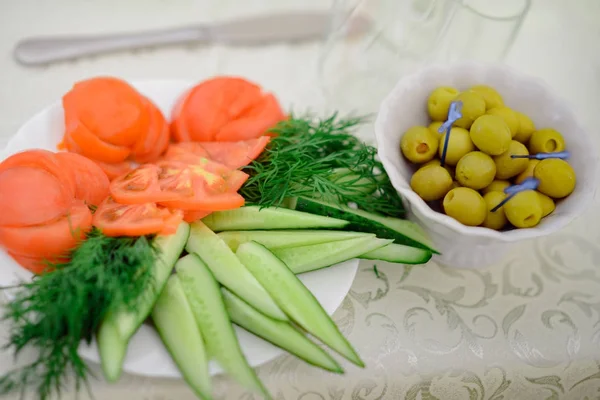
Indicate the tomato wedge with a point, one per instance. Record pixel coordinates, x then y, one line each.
31 196
233 154
52 239
93 147
154 140
206 201
115 219
254 122
44 159
110 108
205 112
91 183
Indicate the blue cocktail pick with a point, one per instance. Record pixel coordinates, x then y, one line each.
530 183
563 155
454 113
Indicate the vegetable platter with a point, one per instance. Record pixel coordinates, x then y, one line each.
183 229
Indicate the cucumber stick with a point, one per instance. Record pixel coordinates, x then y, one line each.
253 217
400 230
175 322
309 258
281 334
277 239
294 298
120 324
398 253
229 271
204 295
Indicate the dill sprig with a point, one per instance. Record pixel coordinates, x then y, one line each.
56 311
320 158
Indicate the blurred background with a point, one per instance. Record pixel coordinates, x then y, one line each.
334 73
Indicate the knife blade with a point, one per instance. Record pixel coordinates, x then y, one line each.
290 27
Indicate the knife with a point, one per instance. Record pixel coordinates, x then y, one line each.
287 27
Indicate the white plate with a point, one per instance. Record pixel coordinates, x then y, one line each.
146 355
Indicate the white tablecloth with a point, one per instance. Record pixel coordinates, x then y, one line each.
528 328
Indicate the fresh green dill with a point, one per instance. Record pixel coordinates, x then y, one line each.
320 158
56 311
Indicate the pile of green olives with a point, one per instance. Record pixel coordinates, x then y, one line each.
479 166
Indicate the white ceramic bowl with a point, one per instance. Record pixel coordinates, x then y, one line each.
476 247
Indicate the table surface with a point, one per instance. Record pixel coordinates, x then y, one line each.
528 328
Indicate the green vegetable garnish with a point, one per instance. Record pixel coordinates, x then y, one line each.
321 159
56 311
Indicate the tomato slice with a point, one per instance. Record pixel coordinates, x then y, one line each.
115 219
53 239
31 196
164 181
36 265
188 152
110 108
155 139
44 159
203 200
233 154
172 223
193 216
113 170
91 183
94 147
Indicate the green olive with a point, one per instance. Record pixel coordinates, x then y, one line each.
506 166
475 170
434 126
524 210
418 144
439 101
497 185
497 219
526 128
473 107
509 116
465 205
491 134
459 144
431 182
437 161
528 172
546 141
491 97
556 176
548 205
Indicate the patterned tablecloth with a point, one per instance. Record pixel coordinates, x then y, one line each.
528 328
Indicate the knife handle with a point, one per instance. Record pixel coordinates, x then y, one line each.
43 50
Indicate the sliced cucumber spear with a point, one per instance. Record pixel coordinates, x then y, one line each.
206 301
399 253
229 271
309 258
253 217
281 239
294 298
402 231
120 324
281 334
175 322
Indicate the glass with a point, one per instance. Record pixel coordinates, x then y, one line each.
356 73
